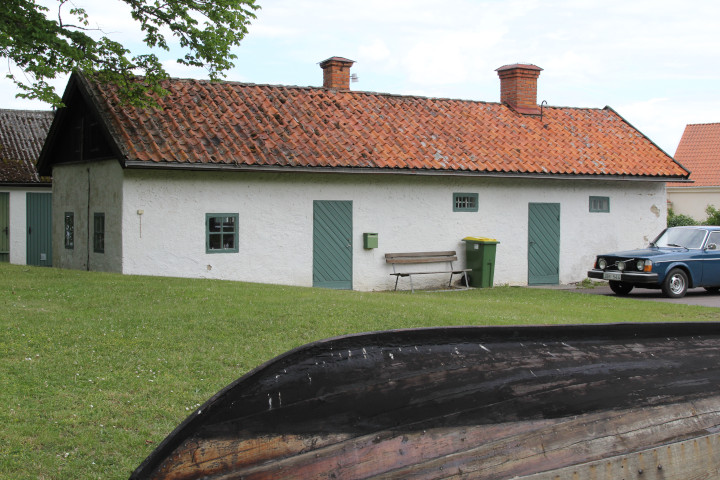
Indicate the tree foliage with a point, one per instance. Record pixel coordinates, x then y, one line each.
679 220
713 215
44 43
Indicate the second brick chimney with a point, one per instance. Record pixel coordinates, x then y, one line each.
336 73
518 87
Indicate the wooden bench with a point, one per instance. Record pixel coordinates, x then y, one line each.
425 257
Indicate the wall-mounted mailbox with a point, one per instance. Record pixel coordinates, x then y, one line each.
370 240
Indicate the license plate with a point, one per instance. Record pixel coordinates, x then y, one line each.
612 276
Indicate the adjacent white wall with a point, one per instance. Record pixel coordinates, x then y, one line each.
693 201
18 220
409 213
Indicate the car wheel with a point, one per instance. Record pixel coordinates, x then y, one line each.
675 284
620 288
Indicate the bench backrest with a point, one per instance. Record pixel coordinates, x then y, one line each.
421 257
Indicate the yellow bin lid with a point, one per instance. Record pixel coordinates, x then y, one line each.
481 239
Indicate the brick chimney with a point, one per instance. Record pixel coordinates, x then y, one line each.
518 87
336 73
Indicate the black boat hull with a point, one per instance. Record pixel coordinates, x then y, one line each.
461 402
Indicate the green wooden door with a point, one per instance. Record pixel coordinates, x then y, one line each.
543 243
39 229
4 227
332 244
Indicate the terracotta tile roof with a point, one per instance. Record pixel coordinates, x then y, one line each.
699 152
22 133
250 125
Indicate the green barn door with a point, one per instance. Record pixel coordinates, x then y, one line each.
4 227
332 244
39 236
544 243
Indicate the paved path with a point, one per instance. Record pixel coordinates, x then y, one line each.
695 296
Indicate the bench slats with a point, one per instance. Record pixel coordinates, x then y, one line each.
454 272
448 253
407 260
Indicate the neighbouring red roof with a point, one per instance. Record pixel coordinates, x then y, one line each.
699 152
236 124
22 133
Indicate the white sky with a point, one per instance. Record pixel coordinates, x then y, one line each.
654 61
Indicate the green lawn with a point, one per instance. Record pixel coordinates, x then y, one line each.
98 368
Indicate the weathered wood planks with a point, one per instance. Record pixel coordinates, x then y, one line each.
464 402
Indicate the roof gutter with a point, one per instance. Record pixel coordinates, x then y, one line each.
144 165
26 184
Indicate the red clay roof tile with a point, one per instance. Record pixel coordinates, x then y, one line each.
244 124
699 152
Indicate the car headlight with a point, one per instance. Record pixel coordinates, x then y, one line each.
602 263
640 265
621 266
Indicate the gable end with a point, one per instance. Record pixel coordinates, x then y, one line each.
78 133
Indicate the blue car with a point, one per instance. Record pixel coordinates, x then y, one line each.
678 259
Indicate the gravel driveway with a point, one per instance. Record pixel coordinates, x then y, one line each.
695 296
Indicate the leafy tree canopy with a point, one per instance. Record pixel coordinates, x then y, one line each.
45 44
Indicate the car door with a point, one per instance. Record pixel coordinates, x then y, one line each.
711 261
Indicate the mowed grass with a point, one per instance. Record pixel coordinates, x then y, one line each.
98 368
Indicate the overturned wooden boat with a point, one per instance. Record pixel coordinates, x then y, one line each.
624 401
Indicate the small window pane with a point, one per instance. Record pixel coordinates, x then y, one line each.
600 204
215 242
465 202
215 224
69 230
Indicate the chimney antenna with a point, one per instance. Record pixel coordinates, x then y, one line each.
542 104
354 78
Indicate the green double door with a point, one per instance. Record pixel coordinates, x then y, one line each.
39 229
38 223
543 243
332 244
4 227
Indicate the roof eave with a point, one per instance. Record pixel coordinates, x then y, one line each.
137 164
608 107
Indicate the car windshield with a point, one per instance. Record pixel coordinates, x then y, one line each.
681 237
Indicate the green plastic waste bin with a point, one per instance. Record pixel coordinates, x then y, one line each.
480 257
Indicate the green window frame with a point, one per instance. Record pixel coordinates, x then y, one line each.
99 232
221 233
600 204
465 202
69 230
